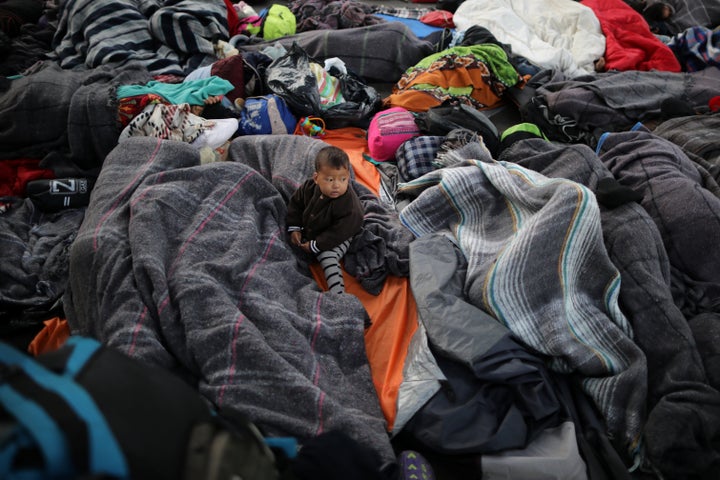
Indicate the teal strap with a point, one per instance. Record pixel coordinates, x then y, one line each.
40 426
106 456
84 348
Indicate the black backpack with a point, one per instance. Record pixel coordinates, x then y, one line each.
89 411
441 119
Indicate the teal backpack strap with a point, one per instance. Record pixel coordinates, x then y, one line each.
104 453
41 427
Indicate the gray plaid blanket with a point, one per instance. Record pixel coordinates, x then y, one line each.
65 112
691 13
186 266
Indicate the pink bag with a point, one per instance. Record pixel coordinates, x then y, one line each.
388 130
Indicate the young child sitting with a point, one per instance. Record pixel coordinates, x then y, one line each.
324 214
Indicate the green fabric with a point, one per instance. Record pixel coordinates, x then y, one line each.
526 127
193 92
279 22
491 55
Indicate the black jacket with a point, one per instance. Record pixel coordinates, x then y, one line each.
325 222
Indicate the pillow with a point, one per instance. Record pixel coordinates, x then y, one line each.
388 129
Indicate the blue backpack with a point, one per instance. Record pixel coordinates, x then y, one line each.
266 115
89 411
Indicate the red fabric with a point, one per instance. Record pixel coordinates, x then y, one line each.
16 173
630 45
714 104
231 69
130 107
232 18
438 18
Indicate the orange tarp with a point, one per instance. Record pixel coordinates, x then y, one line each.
393 312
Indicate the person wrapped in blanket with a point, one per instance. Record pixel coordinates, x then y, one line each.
324 214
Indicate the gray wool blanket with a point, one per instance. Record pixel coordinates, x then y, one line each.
33 260
683 406
186 266
537 263
64 112
382 246
681 201
690 13
698 136
617 100
363 49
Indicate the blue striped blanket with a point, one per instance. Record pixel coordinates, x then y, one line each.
538 264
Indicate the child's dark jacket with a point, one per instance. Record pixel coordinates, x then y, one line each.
327 221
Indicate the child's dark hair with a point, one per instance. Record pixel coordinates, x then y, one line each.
333 157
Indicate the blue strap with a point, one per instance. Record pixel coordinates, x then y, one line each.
106 456
601 140
84 348
40 426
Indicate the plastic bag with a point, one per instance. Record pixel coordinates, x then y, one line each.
291 77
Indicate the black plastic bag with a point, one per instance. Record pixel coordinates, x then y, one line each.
291 77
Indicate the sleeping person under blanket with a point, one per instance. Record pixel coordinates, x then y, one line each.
324 214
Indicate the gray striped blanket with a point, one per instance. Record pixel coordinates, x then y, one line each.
538 264
186 266
172 39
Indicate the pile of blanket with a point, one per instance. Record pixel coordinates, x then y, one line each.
564 307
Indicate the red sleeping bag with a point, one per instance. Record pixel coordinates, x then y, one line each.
630 45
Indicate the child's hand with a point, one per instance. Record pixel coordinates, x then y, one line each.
296 238
305 246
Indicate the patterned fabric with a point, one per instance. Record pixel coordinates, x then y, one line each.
683 403
328 86
476 75
530 241
130 107
697 48
171 122
573 112
415 157
460 144
330 263
697 135
403 12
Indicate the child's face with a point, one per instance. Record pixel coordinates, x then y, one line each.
333 182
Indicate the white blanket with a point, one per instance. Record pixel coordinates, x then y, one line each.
554 34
